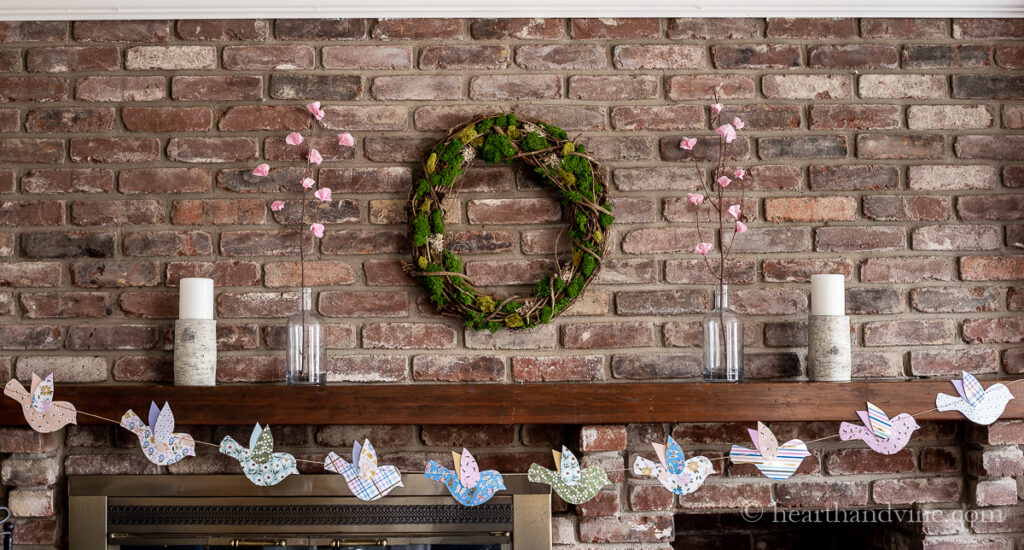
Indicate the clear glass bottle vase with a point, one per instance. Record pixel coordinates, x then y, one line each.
306 344
723 341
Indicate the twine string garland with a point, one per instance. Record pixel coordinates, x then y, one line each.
405 472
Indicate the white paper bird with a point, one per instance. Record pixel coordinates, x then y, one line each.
773 460
675 473
159 442
980 405
883 434
42 413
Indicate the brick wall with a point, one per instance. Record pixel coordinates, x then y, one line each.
886 150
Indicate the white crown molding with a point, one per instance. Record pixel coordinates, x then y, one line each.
14 10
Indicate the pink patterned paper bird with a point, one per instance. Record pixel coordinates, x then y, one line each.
42 413
883 434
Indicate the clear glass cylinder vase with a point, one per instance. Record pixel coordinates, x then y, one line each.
306 345
723 341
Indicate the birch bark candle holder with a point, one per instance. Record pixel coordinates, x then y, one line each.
828 331
195 334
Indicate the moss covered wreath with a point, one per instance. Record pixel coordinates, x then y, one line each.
507 138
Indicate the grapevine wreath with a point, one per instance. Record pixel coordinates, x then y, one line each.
506 138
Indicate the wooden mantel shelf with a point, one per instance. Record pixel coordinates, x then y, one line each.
510 403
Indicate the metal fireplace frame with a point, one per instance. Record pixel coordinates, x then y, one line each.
108 511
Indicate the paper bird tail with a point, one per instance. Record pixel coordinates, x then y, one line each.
850 432
436 472
743 455
16 391
944 402
540 474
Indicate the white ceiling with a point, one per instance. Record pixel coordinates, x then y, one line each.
227 9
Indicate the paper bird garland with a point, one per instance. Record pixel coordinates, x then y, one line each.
261 465
365 479
773 460
575 486
42 413
675 473
471 487
467 483
159 442
883 434
979 405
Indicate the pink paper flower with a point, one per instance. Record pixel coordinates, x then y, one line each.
702 249
739 173
724 181
717 108
324 194
738 123
727 132
277 206
734 211
741 227
261 170
695 198
308 183
317 229
688 143
346 140
314 157
314 108
293 138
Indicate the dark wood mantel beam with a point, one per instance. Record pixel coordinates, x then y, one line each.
511 403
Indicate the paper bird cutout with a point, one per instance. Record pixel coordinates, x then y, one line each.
675 473
159 442
883 434
365 479
42 413
575 486
979 405
261 465
467 483
773 460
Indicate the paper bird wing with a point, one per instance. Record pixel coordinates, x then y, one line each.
263 448
764 441
469 471
878 421
163 428
674 458
256 432
367 461
969 388
42 393
356 450
569 467
644 467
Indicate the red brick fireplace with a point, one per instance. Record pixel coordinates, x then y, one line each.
888 150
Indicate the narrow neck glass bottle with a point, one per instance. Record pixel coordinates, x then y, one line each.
306 345
723 341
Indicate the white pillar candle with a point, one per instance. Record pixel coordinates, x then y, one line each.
828 295
195 298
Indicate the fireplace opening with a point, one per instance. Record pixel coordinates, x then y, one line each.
301 512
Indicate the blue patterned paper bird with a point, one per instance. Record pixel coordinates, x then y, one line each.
159 442
466 483
261 465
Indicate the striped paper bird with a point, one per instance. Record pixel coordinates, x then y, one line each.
42 413
573 484
364 477
675 473
883 434
773 460
980 405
